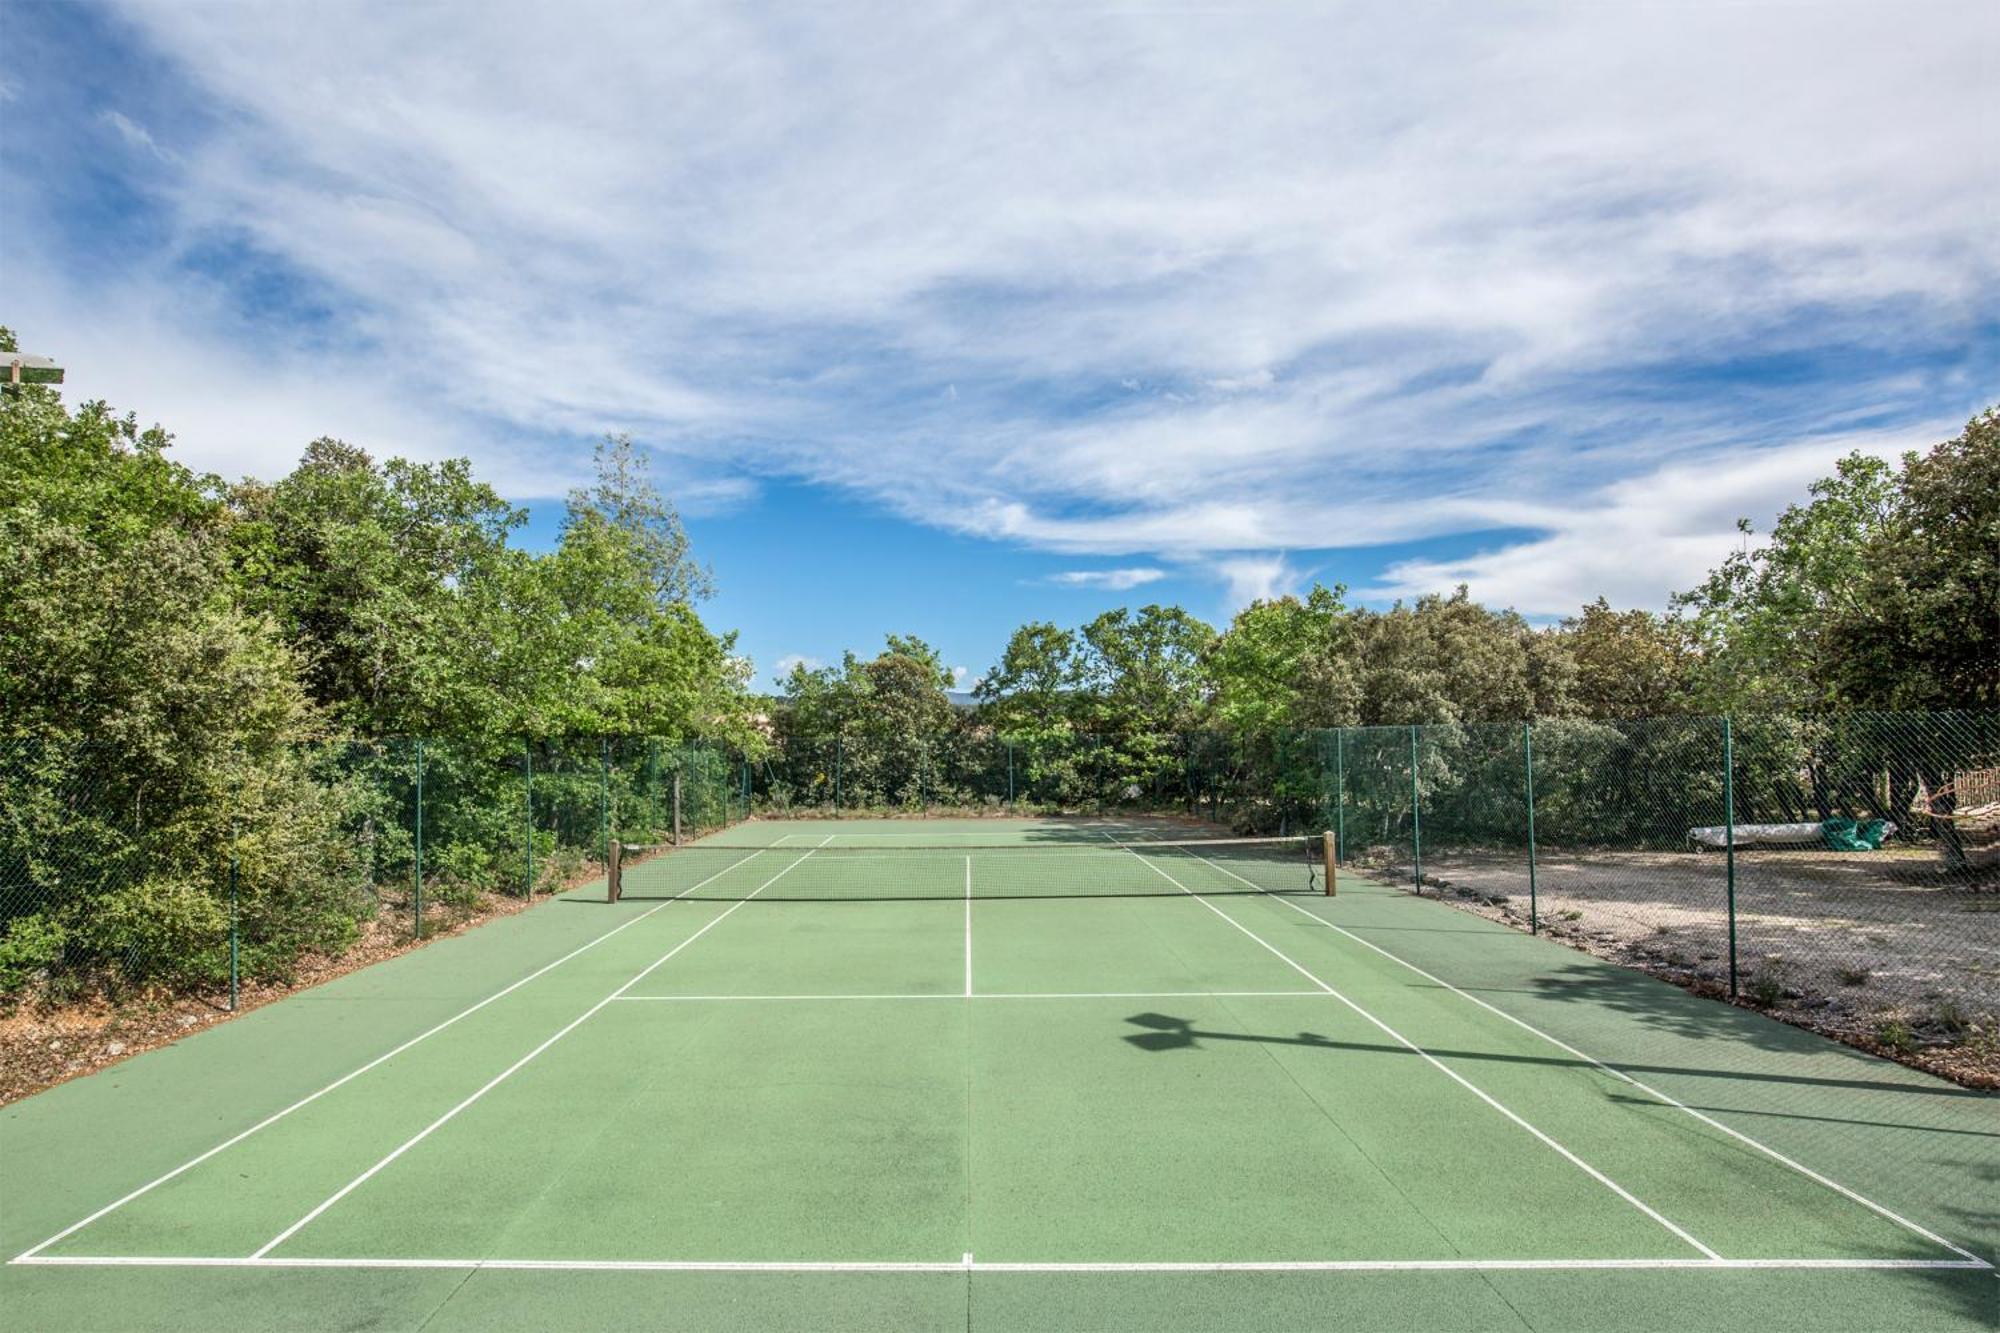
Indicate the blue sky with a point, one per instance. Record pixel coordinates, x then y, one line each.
939 319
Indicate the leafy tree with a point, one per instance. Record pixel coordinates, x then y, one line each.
1760 620
374 574
1033 687
1449 659
1923 630
1145 671
1628 664
149 722
1286 664
889 714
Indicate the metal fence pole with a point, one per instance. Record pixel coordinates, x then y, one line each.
419 897
653 791
1528 770
604 795
528 791
839 746
1729 835
235 937
1416 815
1010 777
1340 792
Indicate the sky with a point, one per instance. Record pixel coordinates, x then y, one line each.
934 319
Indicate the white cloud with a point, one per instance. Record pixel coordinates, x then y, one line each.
1257 578
784 665
136 135
958 675
1640 539
1112 580
1423 281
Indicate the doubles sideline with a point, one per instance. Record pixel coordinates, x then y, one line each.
1970 1259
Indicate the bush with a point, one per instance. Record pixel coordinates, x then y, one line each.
32 945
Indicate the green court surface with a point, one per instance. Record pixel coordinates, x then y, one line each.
894 1075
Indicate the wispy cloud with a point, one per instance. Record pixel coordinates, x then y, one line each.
136 135
785 665
1257 578
1641 539
1049 278
1111 580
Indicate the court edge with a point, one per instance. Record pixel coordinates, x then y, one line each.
969 1265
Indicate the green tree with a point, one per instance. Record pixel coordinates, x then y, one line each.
1449 659
1627 663
147 722
1760 622
1287 663
1923 630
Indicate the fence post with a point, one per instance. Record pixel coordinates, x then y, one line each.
1278 783
839 746
653 791
419 897
677 806
235 939
1340 792
605 795
1416 814
1010 777
528 792
1528 768
1729 835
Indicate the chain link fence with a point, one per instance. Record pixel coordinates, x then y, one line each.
1838 870
1841 871
124 872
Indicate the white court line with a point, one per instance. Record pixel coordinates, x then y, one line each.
1446 1070
996 995
968 926
510 1070
310 1098
1626 1078
968 1264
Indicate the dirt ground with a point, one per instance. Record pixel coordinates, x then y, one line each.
1881 950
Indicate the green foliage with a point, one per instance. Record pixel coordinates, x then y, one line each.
174 652
31 947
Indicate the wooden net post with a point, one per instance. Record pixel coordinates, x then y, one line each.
1330 849
614 874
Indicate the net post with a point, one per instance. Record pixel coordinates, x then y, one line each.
614 872
677 806
1329 850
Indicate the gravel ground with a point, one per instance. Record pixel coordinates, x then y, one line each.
1881 950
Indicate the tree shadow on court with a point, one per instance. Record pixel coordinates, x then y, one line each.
1167 1033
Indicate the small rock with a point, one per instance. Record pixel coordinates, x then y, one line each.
188 1020
115 1048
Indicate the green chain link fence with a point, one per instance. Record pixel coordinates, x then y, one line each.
123 872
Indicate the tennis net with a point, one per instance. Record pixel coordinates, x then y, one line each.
803 872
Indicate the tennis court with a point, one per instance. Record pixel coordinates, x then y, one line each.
999 1074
